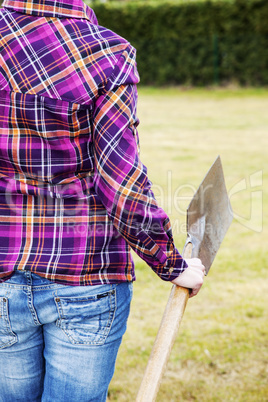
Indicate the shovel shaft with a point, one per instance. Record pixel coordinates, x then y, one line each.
164 341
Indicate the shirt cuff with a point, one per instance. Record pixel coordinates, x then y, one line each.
172 268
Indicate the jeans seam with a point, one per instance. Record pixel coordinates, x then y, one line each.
5 317
113 311
30 299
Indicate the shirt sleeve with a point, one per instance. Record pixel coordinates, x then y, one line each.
121 179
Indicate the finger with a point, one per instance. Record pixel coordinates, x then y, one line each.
193 292
196 289
195 263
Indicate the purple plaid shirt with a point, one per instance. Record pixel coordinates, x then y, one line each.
74 195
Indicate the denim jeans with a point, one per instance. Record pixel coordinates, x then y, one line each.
59 343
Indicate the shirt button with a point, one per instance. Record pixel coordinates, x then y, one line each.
171 269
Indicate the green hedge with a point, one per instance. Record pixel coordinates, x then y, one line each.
196 43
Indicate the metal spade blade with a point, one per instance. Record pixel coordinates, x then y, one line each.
209 215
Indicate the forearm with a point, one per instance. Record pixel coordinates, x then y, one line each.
122 183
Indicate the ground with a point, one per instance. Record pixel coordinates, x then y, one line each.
221 351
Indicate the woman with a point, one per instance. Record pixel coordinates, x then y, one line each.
75 198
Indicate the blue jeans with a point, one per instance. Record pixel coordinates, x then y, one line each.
59 343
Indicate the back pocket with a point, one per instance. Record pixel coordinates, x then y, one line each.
7 336
87 320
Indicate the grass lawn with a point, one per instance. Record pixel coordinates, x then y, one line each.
164 1
221 352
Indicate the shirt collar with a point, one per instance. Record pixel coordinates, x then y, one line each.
53 8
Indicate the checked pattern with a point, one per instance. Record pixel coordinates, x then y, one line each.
74 195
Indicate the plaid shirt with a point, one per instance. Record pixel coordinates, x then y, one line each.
74 195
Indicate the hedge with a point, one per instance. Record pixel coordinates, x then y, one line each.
195 43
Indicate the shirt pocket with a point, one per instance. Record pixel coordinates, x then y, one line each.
7 336
87 320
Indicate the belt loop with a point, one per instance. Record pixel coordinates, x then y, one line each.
28 278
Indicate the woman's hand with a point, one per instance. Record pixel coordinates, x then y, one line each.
192 277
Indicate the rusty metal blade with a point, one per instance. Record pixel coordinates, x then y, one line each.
209 215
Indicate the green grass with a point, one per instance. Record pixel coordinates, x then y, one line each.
221 351
163 1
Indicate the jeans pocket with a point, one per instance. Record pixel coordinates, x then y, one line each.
87 320
7 336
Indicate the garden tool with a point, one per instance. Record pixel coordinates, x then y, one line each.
209 216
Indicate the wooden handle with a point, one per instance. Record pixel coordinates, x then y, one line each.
164 341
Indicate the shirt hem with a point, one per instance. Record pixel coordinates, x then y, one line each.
85 280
